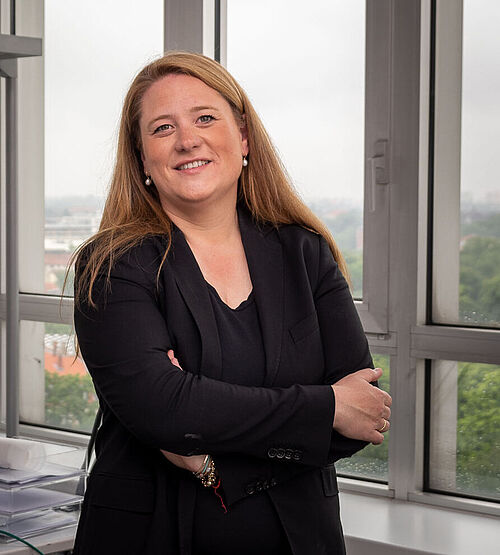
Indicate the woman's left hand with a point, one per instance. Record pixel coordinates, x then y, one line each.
192 463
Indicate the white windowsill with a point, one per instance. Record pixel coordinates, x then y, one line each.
372 526
382 526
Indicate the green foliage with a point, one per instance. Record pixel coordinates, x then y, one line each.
478 427
52 328
69 401
354 261
485 227
480 274
344 227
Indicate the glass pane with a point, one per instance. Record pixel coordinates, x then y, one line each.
480 191
89 61
465 428
56 389
372 462
303 69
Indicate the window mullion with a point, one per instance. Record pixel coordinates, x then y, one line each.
44 308
404 98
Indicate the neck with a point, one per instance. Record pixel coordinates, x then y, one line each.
209 227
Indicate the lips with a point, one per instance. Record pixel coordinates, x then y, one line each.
192 164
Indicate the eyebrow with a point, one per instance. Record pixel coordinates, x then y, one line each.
191 110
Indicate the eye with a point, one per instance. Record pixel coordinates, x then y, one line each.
163 127
207 118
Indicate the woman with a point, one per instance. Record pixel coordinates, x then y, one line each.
212 314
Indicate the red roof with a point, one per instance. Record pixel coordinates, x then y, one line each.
64 365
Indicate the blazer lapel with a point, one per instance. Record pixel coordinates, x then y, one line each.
265 263
194 291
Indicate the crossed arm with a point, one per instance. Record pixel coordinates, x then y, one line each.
360 410
125 344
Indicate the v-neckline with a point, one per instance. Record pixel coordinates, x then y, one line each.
244 303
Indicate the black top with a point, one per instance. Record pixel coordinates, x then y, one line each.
251 525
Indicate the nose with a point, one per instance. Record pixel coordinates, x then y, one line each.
187 138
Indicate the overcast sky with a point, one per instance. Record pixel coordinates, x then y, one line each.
301 64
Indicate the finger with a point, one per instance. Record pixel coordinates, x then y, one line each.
370 374
386 413
383 426
387 399
377 438
172 358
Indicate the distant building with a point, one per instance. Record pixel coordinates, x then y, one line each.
59 355
63 234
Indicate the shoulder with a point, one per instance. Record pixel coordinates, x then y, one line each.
310 249
301 241
298 234
140 261
134 271
145 256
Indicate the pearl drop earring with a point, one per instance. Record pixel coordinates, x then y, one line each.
245 162
147 181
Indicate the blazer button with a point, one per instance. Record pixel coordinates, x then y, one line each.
288 453
272 453
281 453
259 486
250 489
297 455
265 484
273 482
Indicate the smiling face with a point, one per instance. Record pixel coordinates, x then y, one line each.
192 143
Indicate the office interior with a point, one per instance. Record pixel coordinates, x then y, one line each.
387 118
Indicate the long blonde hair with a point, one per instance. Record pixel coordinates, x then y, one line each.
133 211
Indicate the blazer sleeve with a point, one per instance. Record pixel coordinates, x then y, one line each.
124 342
344 342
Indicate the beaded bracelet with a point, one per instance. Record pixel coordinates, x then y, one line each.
203 467
207 473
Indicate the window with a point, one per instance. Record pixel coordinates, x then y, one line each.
69 104
314 62
76 116
464 428
57 390
466 192
463 264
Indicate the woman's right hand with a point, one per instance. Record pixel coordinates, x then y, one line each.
362 411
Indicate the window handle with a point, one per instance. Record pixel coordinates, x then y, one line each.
378 171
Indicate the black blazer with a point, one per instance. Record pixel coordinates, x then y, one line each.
276 436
